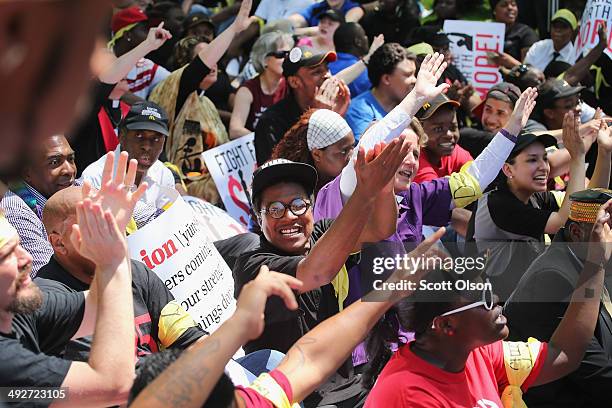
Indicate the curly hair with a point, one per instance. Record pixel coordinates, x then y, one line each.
294 145
385 59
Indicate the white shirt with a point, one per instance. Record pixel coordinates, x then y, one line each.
541 53
159 178
272 10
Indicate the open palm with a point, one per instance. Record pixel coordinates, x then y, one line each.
430 72
116 192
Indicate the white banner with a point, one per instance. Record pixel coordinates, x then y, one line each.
176 248
470 41
231 166
217 223
596 12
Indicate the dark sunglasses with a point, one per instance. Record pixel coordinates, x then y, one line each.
277 209
278 54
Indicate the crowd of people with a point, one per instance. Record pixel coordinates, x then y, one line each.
413 241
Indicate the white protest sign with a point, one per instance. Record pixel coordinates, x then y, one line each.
217 223
175 247
231 166
596 12
470 41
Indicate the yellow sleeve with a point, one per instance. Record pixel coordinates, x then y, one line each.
267 387
464 187
519 359
173 322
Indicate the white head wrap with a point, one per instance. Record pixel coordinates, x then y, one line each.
325 128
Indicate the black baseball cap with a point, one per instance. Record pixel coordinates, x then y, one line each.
196 19
332 14
504 91
283 170
429 108
554 89
305 57
527 139
146 116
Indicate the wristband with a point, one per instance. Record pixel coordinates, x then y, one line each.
508 135
364 61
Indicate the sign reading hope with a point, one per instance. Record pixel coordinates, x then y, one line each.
596 13
470 41
176 247
231 166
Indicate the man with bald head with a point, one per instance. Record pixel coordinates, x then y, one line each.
159 321
49 167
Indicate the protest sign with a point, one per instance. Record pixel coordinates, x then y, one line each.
175 247
470 41
217 223
596 13
231 166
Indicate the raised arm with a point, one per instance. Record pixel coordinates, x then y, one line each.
328 255
573 143
213 53
122 65
350 73
572 336
200 367
580 69
601 175
107 376
392 125
240 113
312 359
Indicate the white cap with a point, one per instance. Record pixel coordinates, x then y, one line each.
325 128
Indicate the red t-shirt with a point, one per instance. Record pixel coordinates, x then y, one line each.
253 399
409 381
261 101
448 164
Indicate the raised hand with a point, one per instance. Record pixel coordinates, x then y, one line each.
600 247
97 236
157 36
253 296
522 110
343 99
377 42
571 135
431 70
243 20
116 192
602 32
376 170
604 137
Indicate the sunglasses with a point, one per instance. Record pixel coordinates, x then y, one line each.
486 302
277 209
278 54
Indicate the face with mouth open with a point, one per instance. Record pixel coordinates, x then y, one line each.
442 132
529 170
143 145
17 292
410 166
506 12
291 232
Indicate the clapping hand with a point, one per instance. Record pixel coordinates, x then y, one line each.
522 110
115 194
571 135
600 247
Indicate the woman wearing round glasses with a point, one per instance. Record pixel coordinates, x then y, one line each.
459 358
267 88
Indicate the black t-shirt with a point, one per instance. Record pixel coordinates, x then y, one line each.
191 77
396 28
150 297
220 91
519 36
536 308
272 126
86 138
284 327
24 350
